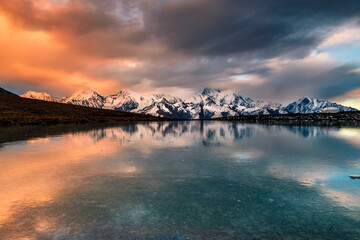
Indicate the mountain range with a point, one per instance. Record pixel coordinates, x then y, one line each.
205 104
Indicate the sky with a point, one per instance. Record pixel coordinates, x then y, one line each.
276 50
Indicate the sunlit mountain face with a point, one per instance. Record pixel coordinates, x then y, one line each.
194 179
274 50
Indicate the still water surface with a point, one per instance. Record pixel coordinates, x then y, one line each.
182 180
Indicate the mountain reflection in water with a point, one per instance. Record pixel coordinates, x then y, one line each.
197 180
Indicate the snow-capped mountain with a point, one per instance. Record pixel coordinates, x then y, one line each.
41 96
311 105
212 103
86 97
208 103
154 104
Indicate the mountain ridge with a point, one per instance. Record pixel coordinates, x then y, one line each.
16 110
206 104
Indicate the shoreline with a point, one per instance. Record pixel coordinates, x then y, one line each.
315 119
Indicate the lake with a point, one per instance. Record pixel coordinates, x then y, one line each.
179 180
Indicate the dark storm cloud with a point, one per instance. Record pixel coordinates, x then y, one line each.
263 28
339 82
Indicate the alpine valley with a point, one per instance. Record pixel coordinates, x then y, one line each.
206 104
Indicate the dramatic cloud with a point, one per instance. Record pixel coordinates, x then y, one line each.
266 49
264 28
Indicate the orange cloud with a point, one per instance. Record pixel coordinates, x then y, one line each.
41 50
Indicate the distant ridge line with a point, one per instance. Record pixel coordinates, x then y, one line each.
206 104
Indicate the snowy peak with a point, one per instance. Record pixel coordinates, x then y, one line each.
212 103
86 97
125 100
84 94
313 105
125 92
210 91
35 95
208 103
306 101
40 96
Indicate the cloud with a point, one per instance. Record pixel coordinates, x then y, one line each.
61 45
89 27
317 75
259 28
113 28
345 34
33 58
351 98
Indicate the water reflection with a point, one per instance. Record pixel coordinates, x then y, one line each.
351 135
202 180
